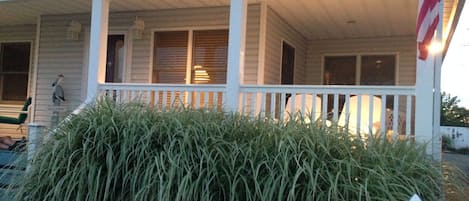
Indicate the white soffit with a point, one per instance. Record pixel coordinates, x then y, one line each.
314 19
14 12
323 19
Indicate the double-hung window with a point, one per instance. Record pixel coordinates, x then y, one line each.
201 59
14 70
360 70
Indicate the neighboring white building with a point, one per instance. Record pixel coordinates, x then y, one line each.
458 135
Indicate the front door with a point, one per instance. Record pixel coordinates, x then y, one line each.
288 63
115 58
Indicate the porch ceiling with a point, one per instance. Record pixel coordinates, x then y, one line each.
25 11
315 19
323 19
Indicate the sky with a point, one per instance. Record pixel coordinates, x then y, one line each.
455 69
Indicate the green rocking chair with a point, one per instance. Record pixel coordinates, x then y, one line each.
21 118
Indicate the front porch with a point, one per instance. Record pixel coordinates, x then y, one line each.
356 67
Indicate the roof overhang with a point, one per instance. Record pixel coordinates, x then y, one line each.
452 14
314 19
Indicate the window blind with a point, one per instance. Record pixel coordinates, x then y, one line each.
210 53
170 57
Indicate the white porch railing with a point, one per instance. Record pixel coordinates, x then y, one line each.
166 95
357 108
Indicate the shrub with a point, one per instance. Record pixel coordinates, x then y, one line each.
132 152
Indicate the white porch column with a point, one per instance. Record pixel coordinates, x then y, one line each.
424 104
98 47
427 111
236 51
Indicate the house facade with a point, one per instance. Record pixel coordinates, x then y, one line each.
250 56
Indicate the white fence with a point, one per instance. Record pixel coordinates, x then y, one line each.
362 109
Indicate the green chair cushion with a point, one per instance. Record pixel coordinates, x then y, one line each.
9 120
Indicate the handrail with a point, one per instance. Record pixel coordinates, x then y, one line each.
177 87
329 89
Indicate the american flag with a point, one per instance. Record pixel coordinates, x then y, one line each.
427 22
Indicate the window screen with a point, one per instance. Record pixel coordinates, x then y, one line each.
14 69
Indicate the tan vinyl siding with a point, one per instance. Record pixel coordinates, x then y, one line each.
17 33
278 30
404 47
59 55
252 45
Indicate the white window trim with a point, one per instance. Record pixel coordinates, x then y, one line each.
29 93
190 30
358 64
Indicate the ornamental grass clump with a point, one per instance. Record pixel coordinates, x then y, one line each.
123 152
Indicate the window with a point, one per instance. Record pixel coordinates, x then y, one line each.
340 70
209 50
373 70
14 69
170 59
209 54
378 70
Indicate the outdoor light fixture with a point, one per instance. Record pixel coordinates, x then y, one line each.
73 30
200 75
137 28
